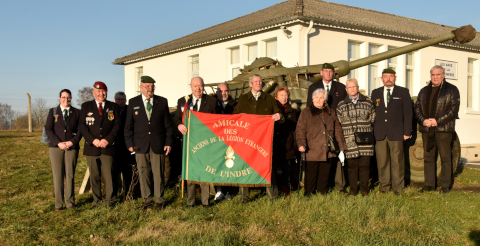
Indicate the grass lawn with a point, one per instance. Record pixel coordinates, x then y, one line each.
27 214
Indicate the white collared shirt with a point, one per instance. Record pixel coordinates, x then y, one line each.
194 99
329 85
257 96
63 110
144 99
385 94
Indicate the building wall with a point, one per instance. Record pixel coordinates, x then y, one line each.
172 72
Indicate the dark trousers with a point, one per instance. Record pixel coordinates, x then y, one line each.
151 164
358 169
192 192
316 176
390 173
102 166
443 145
123 166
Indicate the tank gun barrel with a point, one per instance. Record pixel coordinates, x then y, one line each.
462 35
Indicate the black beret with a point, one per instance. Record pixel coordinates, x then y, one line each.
147 79
328 65
389 70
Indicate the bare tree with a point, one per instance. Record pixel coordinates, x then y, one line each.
84 95
6 116
19 120
39 112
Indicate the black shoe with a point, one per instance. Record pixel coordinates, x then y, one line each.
112 205
190 206
93 206
427 188
146 205
364 193
445 191
159 206
383 192
206 206
351 194
397 193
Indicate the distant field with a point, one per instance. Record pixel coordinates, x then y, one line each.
27 216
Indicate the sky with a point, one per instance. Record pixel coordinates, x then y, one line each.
46 46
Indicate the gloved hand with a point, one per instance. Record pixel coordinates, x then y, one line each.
341 156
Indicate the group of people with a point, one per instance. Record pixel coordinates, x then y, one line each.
340 129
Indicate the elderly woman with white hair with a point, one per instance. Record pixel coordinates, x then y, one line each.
315 125
356 113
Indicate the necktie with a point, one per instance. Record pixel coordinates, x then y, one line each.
65 116
328 90
388 95
195 106
149 108
100 109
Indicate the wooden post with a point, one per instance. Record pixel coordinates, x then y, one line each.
29 113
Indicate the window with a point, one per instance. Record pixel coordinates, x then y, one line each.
409 66
373 49
139 74
353 54
271 48
234 62
392 62
252 52
470 83
194 65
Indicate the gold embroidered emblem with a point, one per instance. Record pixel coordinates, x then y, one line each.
230 157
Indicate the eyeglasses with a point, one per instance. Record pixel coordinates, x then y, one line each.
120 99
352 87
66 98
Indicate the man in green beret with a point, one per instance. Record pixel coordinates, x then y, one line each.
148 133
336 93
393 125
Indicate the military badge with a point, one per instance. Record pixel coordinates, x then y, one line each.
110 115
56 117
229 157
90 114
136 112
378 102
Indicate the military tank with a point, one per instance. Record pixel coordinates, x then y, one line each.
298 79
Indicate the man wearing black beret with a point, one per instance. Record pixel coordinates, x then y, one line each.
148 132
393 125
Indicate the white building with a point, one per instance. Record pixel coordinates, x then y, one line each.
339 32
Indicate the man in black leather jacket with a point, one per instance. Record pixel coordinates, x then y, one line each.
436 110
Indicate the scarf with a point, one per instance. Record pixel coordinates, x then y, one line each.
430 111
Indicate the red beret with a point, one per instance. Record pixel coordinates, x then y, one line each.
100 85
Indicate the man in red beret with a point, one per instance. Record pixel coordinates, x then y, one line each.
99 124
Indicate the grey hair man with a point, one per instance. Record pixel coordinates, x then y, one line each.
436 110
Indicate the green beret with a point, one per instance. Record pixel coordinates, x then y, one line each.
328 65
389 70
147 79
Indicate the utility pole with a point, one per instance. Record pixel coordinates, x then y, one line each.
29 113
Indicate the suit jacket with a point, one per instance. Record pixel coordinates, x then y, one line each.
229 107
58 132
145 134
104 128
208 105
336 95
266 104
395 120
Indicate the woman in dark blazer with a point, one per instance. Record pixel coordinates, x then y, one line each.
284 146
312 139
64 133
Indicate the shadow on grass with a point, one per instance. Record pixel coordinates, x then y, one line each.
11 136
475 236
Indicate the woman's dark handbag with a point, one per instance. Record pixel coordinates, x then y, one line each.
332 143
361 138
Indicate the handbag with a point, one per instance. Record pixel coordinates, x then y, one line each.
44 138
332 143
361 138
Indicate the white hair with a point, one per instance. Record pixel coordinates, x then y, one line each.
319 90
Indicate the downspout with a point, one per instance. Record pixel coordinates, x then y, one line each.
306 42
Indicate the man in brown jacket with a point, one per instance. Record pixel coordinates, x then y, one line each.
258 102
